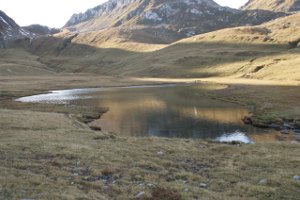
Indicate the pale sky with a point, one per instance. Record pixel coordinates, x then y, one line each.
55 13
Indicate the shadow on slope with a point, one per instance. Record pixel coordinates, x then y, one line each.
189 59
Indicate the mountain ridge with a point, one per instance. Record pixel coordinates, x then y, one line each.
169 20
10 30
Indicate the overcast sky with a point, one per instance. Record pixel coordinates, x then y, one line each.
55 13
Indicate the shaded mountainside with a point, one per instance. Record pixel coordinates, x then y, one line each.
41 30
10 30
164 21
267 51
273 5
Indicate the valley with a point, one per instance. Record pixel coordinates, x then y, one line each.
246 58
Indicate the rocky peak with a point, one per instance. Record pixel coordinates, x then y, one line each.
135 7
273 5
167 20
10 30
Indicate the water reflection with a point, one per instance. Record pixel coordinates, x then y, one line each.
236 136
168 111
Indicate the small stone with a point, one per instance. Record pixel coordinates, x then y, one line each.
160 153
287 126
294 142
186 189
203 185
296 178
263 181
285 132
140 194
149 184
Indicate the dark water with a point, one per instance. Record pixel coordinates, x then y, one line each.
168 111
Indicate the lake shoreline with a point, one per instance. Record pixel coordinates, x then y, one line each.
45 149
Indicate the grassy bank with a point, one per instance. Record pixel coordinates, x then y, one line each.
52 155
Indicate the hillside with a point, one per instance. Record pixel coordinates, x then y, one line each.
41 30
10 30
153 21
267 51
273 5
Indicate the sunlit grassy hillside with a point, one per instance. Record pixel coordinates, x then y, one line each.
268 51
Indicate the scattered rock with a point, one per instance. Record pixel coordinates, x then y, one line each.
149 184
203 185
160 153
186 189
296 178
294 142
263 181
140 194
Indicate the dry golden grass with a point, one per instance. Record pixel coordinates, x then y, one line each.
50 157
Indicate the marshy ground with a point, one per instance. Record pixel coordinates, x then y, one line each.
47 153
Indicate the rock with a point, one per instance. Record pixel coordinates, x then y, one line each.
276 127
247 120
186 189
160 153
203 185
296 178
263 181
297 124
149 184
287 126
294 142
140 194
285 132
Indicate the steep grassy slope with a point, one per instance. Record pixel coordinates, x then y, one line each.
273 5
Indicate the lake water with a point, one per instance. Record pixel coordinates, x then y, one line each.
165 110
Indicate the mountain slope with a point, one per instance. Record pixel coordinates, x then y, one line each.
9 30
41 30
273 5
165 20
267 51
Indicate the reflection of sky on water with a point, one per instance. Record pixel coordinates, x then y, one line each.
236 136
154 110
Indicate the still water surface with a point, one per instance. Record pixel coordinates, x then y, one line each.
167 111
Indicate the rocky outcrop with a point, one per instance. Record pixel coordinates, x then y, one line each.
10 30
175 19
